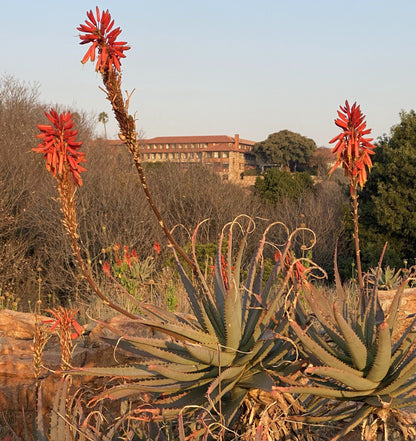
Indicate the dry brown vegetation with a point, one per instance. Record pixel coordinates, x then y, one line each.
34 252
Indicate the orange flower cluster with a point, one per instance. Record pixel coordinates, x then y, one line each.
99 31
59 147
353 150
64 319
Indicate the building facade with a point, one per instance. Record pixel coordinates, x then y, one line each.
225 155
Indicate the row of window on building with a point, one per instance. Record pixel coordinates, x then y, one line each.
185 156
188 146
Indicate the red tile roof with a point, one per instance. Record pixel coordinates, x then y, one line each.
194 140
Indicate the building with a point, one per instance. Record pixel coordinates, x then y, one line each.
225 155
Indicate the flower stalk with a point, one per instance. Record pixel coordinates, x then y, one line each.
63 159
98 31
353 150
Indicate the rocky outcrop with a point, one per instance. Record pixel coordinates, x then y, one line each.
17 373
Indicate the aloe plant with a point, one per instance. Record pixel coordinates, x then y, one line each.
235 341
354 359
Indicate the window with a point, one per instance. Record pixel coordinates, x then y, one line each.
225 166
225 154
216 154
153 156
209 154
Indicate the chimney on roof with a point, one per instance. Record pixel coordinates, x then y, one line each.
236 140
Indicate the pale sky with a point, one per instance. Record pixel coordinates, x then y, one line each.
220 67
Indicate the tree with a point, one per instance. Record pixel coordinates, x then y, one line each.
103 118
276 185
285 149
388 208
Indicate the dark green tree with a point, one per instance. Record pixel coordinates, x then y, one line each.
275 185
285 149
388 201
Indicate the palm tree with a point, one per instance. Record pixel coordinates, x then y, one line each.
103 117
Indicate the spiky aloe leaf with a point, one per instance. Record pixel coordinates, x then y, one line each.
181 332
211 356
395 305
175 373
232 317
259 380
59 429
381 363
224 383
206 314
356 347
340 393
400 403
162 349
358 418
399 379
402 346
316 349
349 379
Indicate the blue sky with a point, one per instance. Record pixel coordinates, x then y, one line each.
221 67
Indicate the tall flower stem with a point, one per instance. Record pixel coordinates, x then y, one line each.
67 192
98 31
354 197
128 135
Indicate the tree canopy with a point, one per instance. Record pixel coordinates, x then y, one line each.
388 201
285 149
275 185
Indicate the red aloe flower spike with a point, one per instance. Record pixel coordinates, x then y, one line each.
106 268
59 147
352 148
99 31
156 247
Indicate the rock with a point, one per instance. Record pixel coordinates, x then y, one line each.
17 375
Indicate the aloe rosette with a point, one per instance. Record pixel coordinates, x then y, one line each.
236 339
353 358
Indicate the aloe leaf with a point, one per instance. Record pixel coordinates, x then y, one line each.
214 318
404 374
192 397
117 371
232 317
356 347
174 352
399 403
359 417
59 429
259 380
338 284
379 400
219 287
182 332
349 379
403 345
178 375
317 350
323 392
224 383
231 406
381 363
192 295
210 356
395 306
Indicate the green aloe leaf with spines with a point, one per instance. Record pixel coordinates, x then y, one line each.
237 339
377 373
